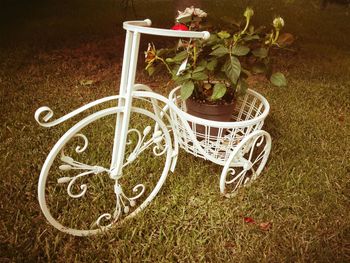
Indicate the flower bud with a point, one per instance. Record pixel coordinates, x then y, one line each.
248 13
278 23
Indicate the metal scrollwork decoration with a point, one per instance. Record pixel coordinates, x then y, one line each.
238 152
143 144
246 162
70 164
123 204
77 185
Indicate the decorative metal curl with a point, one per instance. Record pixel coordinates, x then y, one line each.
80 149
237 178
247 164
48 112
43 121
243 160
123 204
71 164
142 144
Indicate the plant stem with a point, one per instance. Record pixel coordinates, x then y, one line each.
166 65
276 37
194 55
245 28
242 32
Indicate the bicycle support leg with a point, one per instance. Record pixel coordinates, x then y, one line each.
126 87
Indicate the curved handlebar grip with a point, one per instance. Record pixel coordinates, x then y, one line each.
143 26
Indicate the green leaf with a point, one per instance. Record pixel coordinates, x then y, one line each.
220 51
212 39
223 34
220 75
199 69
246 72
252 37
212 64
180 56
240 50
187 89
150 70
161 52
232 69
260 52
216 46
259 68
202 63
278 79
242 87
199 76
218 91
185 19
169 60
181 78
175 69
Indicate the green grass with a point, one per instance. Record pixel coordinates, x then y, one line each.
303 192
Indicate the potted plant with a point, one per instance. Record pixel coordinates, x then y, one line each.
213 73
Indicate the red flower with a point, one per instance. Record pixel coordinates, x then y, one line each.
180 27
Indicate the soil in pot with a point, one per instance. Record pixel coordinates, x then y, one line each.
214 112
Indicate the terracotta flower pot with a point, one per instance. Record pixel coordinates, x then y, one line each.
209 112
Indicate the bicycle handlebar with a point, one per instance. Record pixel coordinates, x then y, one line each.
144 26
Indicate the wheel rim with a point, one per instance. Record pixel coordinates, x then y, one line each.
122 199
245 163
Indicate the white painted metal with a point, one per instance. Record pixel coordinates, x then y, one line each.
144 27
124 116
134 28
48 112
96 170
246 162
233 147
249 116
121 101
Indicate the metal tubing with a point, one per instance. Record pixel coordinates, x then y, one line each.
122 92
124 117
143 27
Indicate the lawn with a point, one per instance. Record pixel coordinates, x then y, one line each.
47 53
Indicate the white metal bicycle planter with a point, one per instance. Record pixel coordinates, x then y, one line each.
240 146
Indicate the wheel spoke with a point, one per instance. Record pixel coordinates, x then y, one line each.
125 203
260 156
256 152
237 176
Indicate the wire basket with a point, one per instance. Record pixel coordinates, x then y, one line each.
249 115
